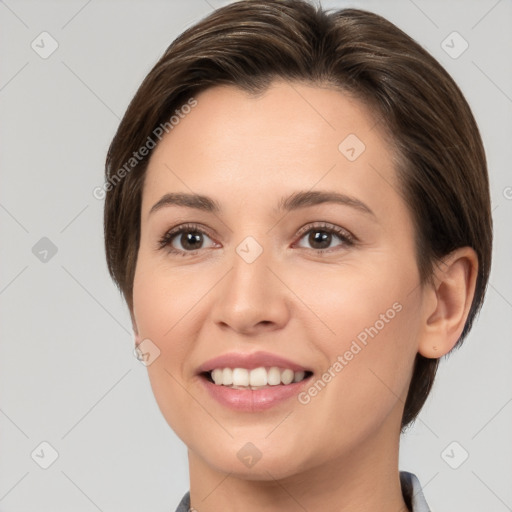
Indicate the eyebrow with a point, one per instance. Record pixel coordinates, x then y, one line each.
295 201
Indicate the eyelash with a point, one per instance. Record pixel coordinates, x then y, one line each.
347 238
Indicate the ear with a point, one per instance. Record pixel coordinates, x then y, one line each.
447 302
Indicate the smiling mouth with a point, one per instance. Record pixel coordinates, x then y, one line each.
255 379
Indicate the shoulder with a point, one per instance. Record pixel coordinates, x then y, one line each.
413 493
184 505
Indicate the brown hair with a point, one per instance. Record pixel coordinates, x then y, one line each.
441 162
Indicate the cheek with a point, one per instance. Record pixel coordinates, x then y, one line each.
160 305
359 300
164 301
365 325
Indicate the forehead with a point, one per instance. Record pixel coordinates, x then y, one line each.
310 115
292 134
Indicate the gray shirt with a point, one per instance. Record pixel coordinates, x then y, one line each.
411 489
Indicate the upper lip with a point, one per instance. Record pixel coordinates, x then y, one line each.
249 361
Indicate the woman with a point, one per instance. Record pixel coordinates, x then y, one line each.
298 217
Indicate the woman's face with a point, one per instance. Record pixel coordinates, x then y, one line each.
307 263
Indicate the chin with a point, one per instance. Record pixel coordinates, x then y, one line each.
249 462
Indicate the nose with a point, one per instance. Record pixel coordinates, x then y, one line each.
252 298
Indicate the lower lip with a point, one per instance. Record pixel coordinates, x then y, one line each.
250 400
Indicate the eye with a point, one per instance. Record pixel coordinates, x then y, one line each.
184 240
188 239
322 235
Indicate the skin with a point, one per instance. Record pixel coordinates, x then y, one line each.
340 450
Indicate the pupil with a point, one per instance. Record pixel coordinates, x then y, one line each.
322 238
190 238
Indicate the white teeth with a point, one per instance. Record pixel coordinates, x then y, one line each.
255 378
258 377
227 376
240 377
217 376
298 376
287 377
274 376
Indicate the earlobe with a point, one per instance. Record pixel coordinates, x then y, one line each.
452 291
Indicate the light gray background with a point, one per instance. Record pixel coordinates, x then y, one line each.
68 375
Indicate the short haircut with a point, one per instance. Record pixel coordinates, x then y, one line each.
439 155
